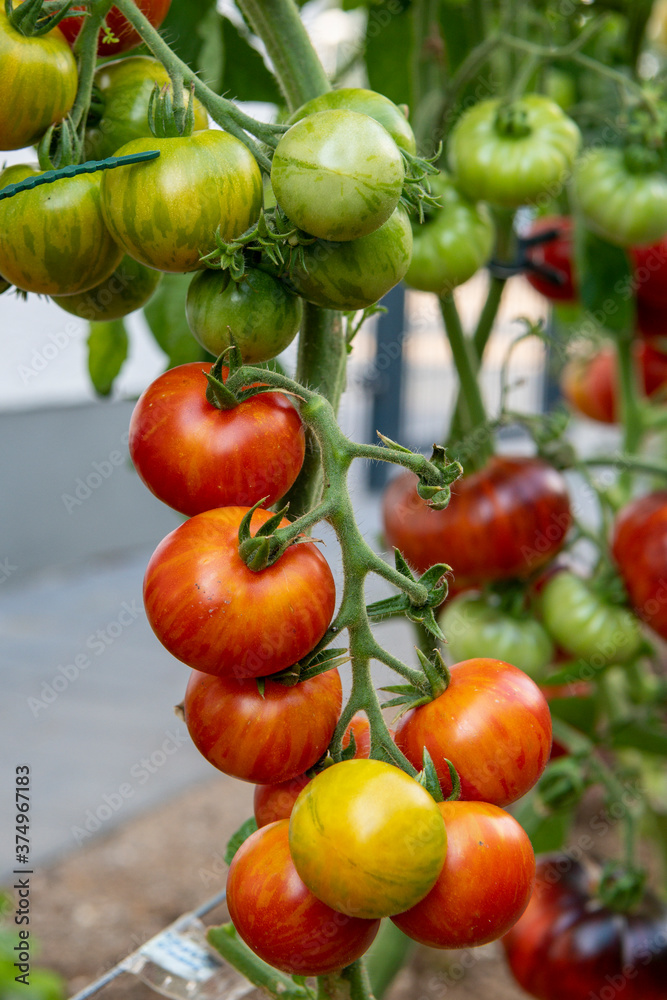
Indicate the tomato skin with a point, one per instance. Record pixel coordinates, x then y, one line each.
639 548
259 312
275 801
366 102
650 273
269 737
165 212
473 626
375 867
513 170
195 457
623 207
337 174
53 239
492 722
128 288
591 385
120 27
485 883
504 521
586 625
356 274
124 88
280 918
213 613
567 944
556 254
40 74
452 243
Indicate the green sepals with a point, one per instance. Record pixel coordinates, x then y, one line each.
416 192
238 838
348 752
434 482
436 670
394 445
166 120
455 793
4 285
273 236
436 585
217 393
31 18
562 784
428 778
60 146
621 888
310 666
512 122
267 545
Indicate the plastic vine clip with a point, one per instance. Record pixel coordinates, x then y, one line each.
89 167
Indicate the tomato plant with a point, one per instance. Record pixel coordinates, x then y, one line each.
511 154
568 943
258 313
492 723
650 273
40 75
485 883
165 212
590 385
585 624
120 109
119 35
53 239
127 288
337 174
194 456
375 866
281 919
452 244
506 520
272 735
638 545
365 102
553 255
475 625
215 614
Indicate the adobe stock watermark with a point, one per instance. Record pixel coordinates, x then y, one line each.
95 645
7 568
86 485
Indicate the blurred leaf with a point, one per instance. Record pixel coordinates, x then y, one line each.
577 712
245 75
547 832
389 39
165 315
107 350
604 276
641 736
244 831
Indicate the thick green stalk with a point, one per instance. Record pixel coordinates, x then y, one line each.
296 64
474 415
631 416
86 49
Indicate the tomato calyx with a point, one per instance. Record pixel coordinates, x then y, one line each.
512 122
30 19
265 548
562 784
434 681
167 119
621 887
435 582
273 236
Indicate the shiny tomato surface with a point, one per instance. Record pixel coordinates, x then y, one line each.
639 547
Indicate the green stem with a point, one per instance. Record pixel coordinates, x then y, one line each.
466 367
225 940
631 416
86 48
297 65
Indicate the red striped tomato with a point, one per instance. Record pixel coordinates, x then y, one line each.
120 36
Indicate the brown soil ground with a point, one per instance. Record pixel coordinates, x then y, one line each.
96 906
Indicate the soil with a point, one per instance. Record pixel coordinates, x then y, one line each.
96 906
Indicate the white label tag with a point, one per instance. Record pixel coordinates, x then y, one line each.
180 956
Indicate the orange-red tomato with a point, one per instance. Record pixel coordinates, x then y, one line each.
639 547
119 27
590 385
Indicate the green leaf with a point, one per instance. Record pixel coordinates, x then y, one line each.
187 29
245 75
107 351
389 38
604 275
641 736
165 315
547 832
577 712
244 831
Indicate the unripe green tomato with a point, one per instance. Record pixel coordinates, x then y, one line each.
129 287
473 628
452 243
258 312
366 102
586 625
124 87
337 174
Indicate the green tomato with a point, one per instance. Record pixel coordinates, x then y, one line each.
474 627
586 625
123 90
513 154
337 174
259 312
626 207
355 274
453 242
53 239
366 102
129 287
165 212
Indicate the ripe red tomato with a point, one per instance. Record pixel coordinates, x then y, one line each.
650 273
213 613
493 723
484 885
651 319
555 254
639 546
194 456
268 737
120 27
504 521
590 385
275 801
567 944
280 918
